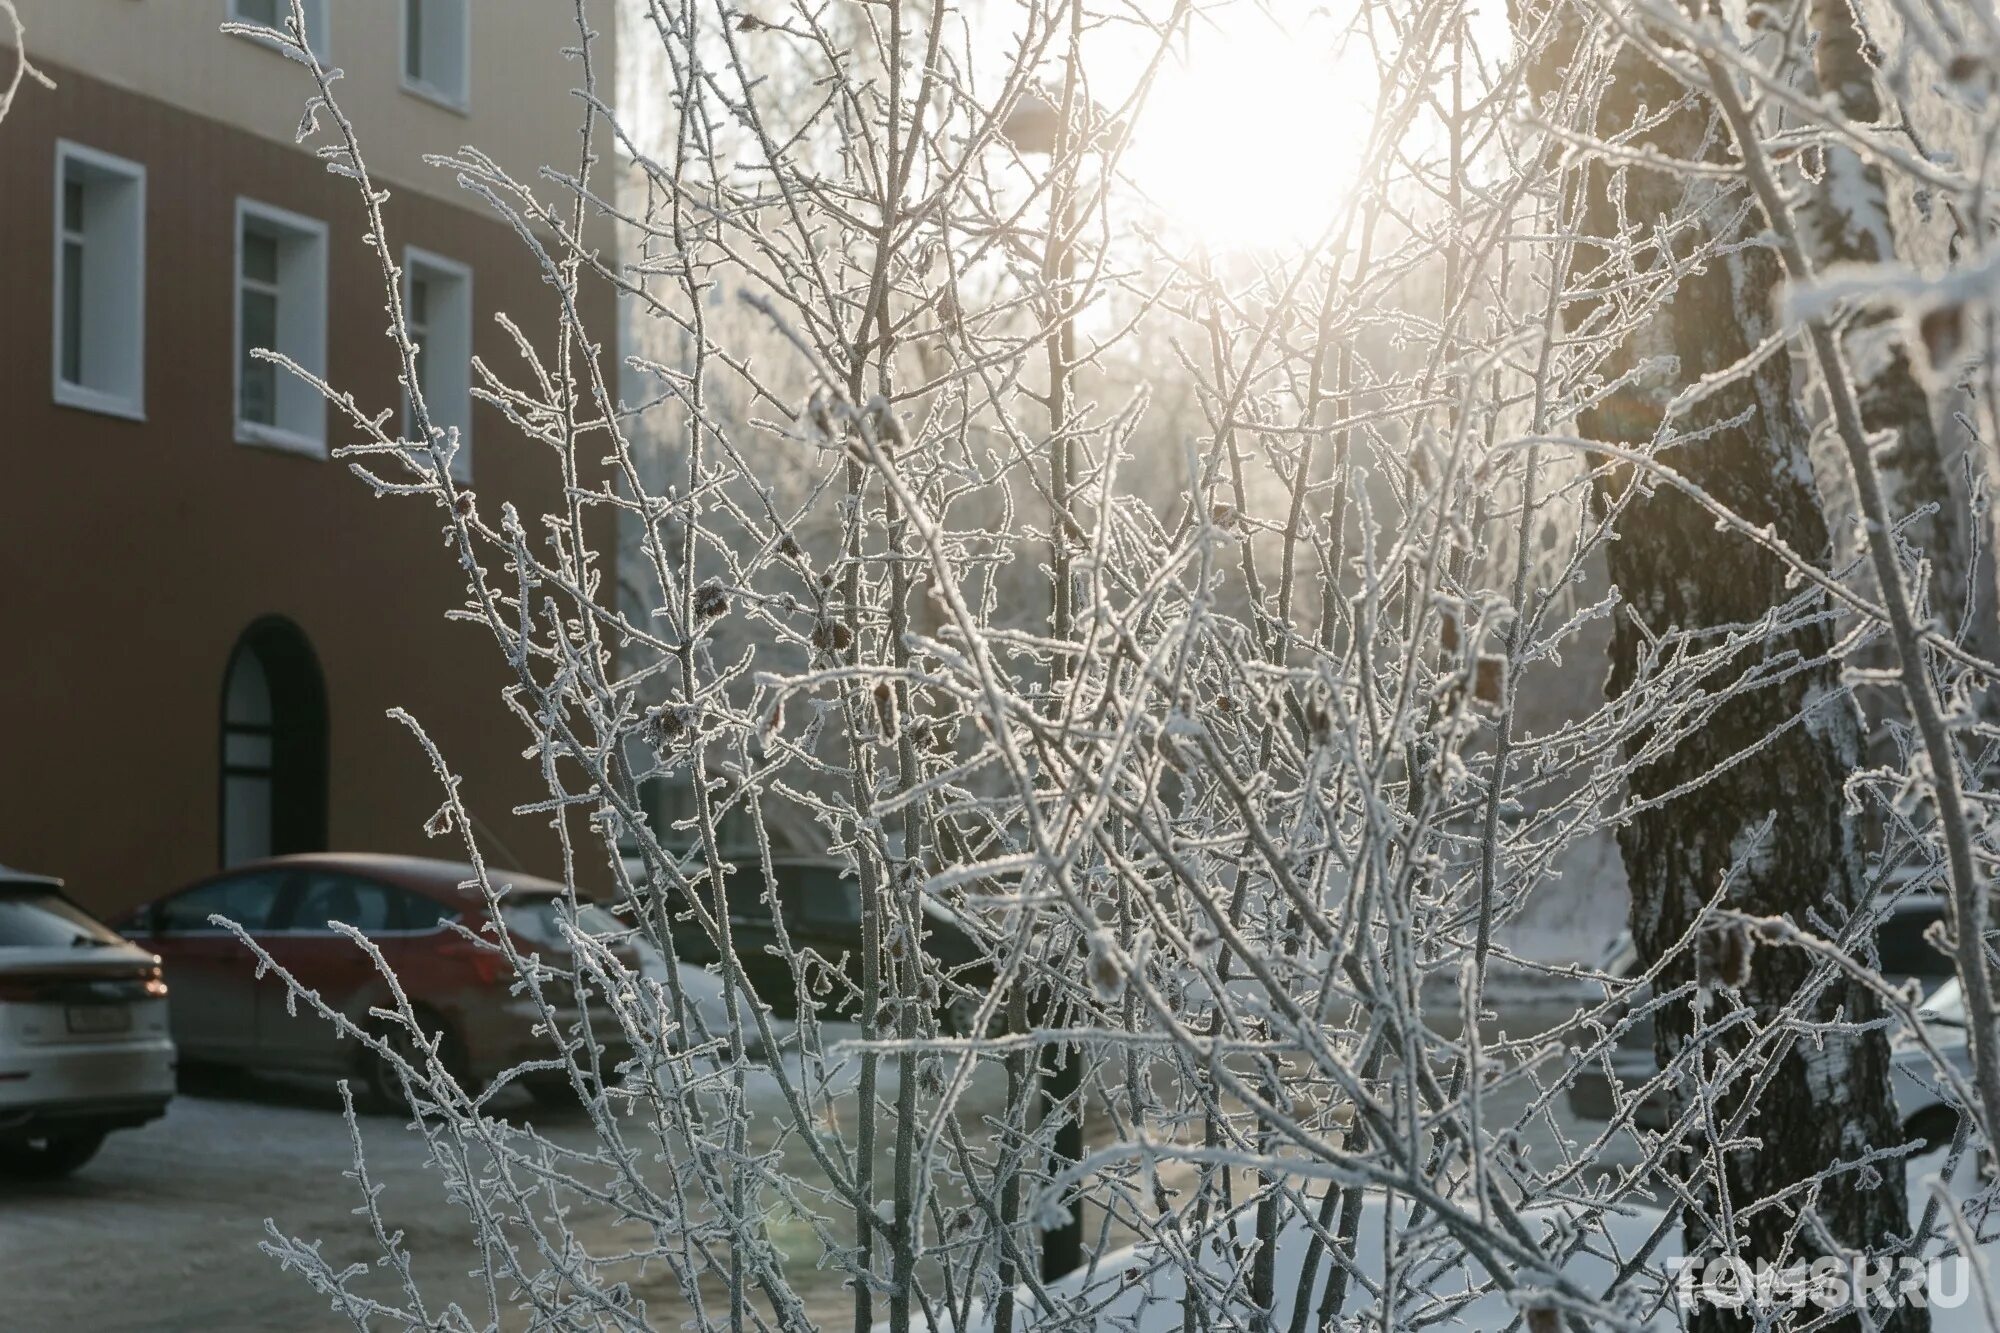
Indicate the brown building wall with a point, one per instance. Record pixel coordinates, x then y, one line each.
136 553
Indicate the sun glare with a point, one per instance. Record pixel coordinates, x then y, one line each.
1252 133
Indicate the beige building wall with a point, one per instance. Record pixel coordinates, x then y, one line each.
520 109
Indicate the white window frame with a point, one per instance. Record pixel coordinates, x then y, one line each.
129 305
312 356
454 397
427 88
316 23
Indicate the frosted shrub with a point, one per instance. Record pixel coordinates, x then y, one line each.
1216 636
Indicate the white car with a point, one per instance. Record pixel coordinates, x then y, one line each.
1915 1076
84 1047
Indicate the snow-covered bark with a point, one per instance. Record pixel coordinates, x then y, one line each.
1748 808
1851 222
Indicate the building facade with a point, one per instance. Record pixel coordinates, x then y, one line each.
205 617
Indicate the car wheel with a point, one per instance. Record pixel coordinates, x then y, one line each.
378 1073
48 1158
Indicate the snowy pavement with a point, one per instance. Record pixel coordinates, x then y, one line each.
160 1232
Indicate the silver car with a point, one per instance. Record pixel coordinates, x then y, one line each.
1921 1095
84 1047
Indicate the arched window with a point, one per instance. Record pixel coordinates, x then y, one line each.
246 761
273 798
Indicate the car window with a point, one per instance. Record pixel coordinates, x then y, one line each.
537 918
421 913
244 899
1905 951
40 918
328 896
746 895
820 895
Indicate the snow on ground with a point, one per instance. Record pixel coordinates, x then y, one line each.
1576 913
1137 1291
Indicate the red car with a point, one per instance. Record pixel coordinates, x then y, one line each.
223 1014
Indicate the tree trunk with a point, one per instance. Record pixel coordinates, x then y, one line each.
1850 222
1829 1103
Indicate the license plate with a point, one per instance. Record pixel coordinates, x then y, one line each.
91 1019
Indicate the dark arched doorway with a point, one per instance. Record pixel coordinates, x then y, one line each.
273 796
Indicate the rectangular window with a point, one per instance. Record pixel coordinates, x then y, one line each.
437 307
276 13
280 307
258 403
437 39
100 281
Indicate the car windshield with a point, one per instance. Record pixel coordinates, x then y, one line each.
39 918
1946 1005
538 919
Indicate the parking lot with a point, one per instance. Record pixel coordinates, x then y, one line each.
160 1232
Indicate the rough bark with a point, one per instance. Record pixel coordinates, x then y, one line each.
1675 570
1850 223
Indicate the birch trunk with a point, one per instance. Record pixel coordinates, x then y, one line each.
1832 1102
1850 223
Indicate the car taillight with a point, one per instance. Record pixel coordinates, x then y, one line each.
487 963
21 990
67 987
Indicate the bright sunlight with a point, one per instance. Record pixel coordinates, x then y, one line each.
1252 138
